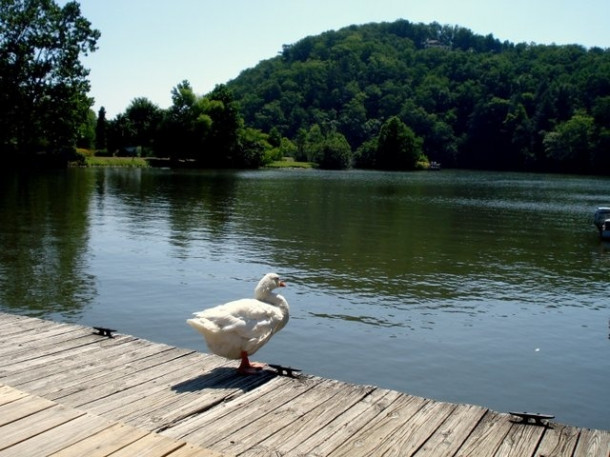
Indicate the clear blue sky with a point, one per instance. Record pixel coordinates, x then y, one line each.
148 46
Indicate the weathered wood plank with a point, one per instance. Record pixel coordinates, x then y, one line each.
302 426
249 435
104 442
521 440
149 445
592 443
100 383
57 437
406 440
146 397
11 324
487 436
379 430
135 385
22 407
194 451
8 394
51 345
65 363
22 429
180 402
218 424
558 441
452 433
335 433
81 434
143 412
84 367
154 445
37 337
11 330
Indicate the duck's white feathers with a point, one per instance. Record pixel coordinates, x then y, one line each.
241 325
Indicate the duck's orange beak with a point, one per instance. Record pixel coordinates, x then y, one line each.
282 284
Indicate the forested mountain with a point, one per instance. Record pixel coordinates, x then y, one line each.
473 100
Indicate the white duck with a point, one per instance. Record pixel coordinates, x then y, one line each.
239 328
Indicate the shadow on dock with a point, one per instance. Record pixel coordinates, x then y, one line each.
224 378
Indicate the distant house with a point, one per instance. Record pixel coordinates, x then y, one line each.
435 44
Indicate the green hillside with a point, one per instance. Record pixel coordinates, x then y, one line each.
471 101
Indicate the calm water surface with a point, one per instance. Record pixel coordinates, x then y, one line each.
482 288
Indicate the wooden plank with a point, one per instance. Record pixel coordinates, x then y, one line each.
11 317
8 394
194 451
9 325
452 433
335 433
102 382
131 387
19 342
51 345
378 431
9 330
487 436
173 405
408 438
219 424
103 443
22 407
558 441
150 394
140 403
151 445
250 435
83 367
42 336
521 440
65 362
154 445
85 434
593 443
301 426
22 429
58 437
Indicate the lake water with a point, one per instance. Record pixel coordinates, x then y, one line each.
469 287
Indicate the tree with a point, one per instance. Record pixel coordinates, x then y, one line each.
101 128
86 132
208 131
43 84
120 134
336 153
185 125
223 141
397 147
571 144
145 118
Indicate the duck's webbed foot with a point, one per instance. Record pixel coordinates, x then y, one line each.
248 368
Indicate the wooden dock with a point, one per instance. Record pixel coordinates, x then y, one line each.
66 390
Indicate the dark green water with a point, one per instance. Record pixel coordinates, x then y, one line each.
482 288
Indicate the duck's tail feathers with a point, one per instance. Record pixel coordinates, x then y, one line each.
203 326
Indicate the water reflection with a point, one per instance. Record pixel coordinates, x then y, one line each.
44 237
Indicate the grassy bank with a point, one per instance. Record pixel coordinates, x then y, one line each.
291 164
125 162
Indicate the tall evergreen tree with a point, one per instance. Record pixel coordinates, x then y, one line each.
101 129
